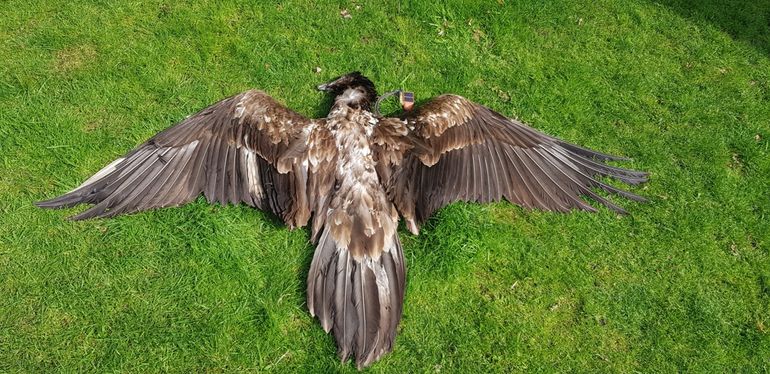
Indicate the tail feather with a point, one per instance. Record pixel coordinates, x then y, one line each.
360 300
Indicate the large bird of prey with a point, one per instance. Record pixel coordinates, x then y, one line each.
350 175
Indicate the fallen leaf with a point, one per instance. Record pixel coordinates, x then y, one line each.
477 34
502 94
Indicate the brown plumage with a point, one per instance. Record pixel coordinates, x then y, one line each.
353 172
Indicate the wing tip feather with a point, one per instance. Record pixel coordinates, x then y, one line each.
49 204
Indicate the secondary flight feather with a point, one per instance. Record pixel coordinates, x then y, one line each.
351 175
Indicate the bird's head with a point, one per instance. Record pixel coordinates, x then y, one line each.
352 89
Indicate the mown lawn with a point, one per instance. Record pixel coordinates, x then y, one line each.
682 284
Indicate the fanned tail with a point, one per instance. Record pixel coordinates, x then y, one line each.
359 299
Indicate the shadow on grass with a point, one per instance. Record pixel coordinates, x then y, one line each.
744 20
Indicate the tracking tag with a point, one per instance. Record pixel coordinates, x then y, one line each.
407 100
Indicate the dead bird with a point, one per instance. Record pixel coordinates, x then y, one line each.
350 175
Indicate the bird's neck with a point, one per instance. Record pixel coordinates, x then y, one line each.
356 97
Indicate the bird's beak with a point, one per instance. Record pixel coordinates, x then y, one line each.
323 87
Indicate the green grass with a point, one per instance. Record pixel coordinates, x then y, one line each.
682 284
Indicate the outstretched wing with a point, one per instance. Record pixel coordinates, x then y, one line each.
463 151
233 151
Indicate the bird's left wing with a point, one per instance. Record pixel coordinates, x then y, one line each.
240 149
457 150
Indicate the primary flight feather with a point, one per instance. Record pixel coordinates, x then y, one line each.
353 173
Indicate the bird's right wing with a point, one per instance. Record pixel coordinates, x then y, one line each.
241 149
457 150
